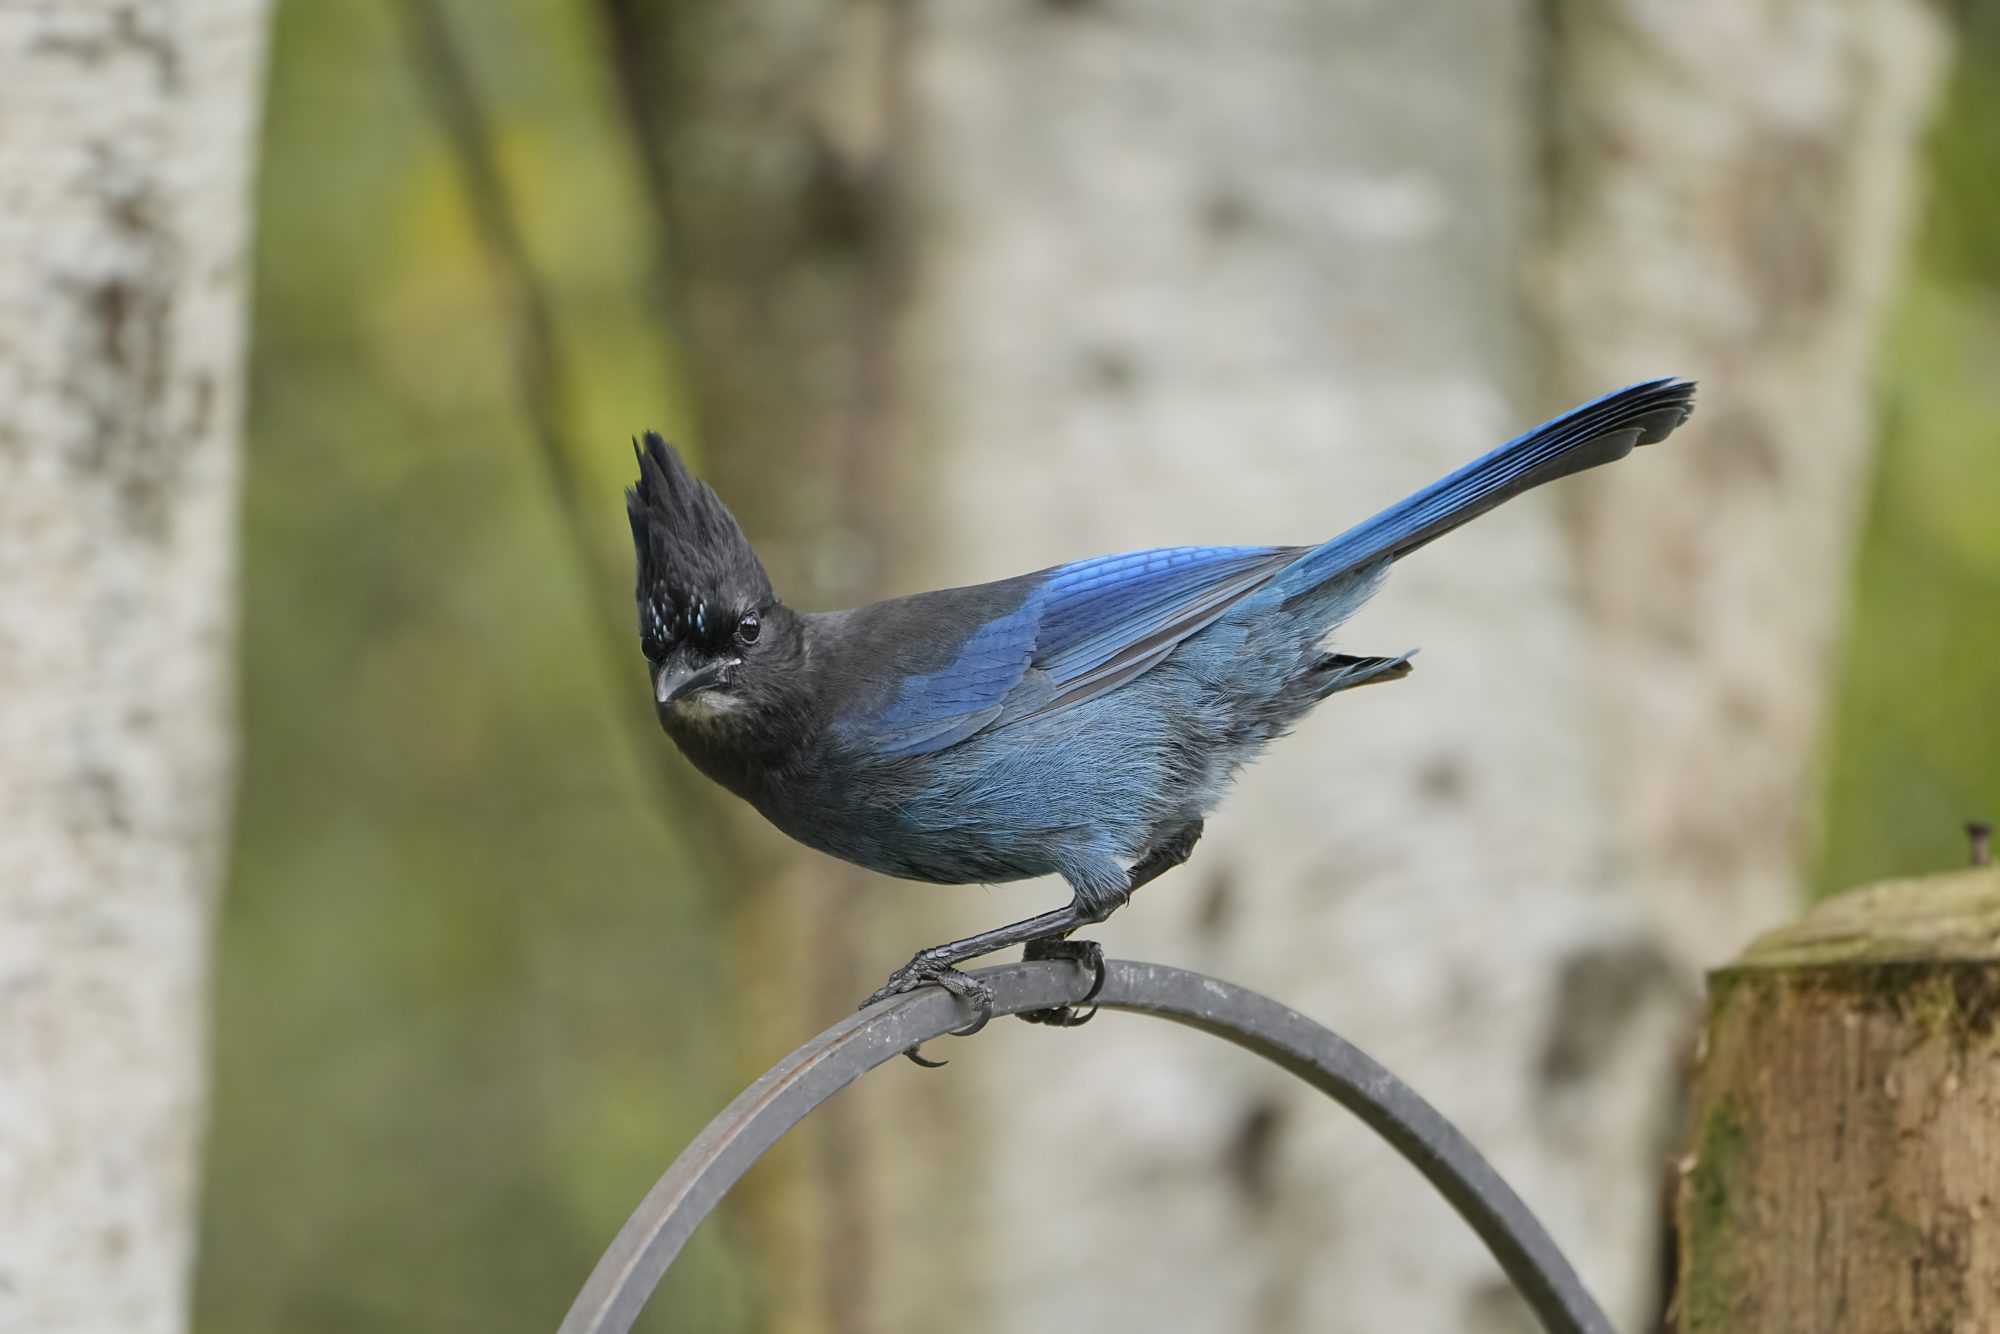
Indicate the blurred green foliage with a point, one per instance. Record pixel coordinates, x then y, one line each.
1914 747
465 976
465 986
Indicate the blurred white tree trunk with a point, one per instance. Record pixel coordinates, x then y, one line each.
1247 273
126 142
1733 184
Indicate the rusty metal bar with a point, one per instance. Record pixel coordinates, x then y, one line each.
630 1270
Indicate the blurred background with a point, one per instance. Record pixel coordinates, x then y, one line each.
936 292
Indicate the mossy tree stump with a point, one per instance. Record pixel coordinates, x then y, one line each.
1846 1165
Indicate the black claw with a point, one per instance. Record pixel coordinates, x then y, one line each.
1087 952
1098 975
920 972
1063 1016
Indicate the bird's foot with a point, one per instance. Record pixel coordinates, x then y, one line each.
923 972
1086 952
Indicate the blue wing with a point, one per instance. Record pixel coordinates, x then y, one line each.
1109 619
1083 629
937 709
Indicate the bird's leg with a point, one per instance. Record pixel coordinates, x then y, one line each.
1047 932
1164 857
936 964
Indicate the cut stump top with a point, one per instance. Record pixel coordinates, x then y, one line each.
1937 918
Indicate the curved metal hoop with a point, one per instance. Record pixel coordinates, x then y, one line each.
787 1093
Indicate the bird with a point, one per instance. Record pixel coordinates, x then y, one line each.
1082 720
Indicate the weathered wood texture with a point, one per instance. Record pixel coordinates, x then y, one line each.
127 134
1846 1172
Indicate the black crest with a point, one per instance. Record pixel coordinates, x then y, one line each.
691 552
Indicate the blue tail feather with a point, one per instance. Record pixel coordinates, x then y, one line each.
1602 430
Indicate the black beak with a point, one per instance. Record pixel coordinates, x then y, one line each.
677 678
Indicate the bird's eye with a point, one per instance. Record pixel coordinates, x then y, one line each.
749 628
654 648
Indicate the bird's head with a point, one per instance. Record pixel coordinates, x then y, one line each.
708 618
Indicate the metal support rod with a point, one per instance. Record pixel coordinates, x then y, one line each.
786 1094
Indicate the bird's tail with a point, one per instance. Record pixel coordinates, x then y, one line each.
1598 432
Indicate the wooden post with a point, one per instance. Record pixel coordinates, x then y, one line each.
1846 1163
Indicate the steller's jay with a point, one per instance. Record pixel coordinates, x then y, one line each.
1081 720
